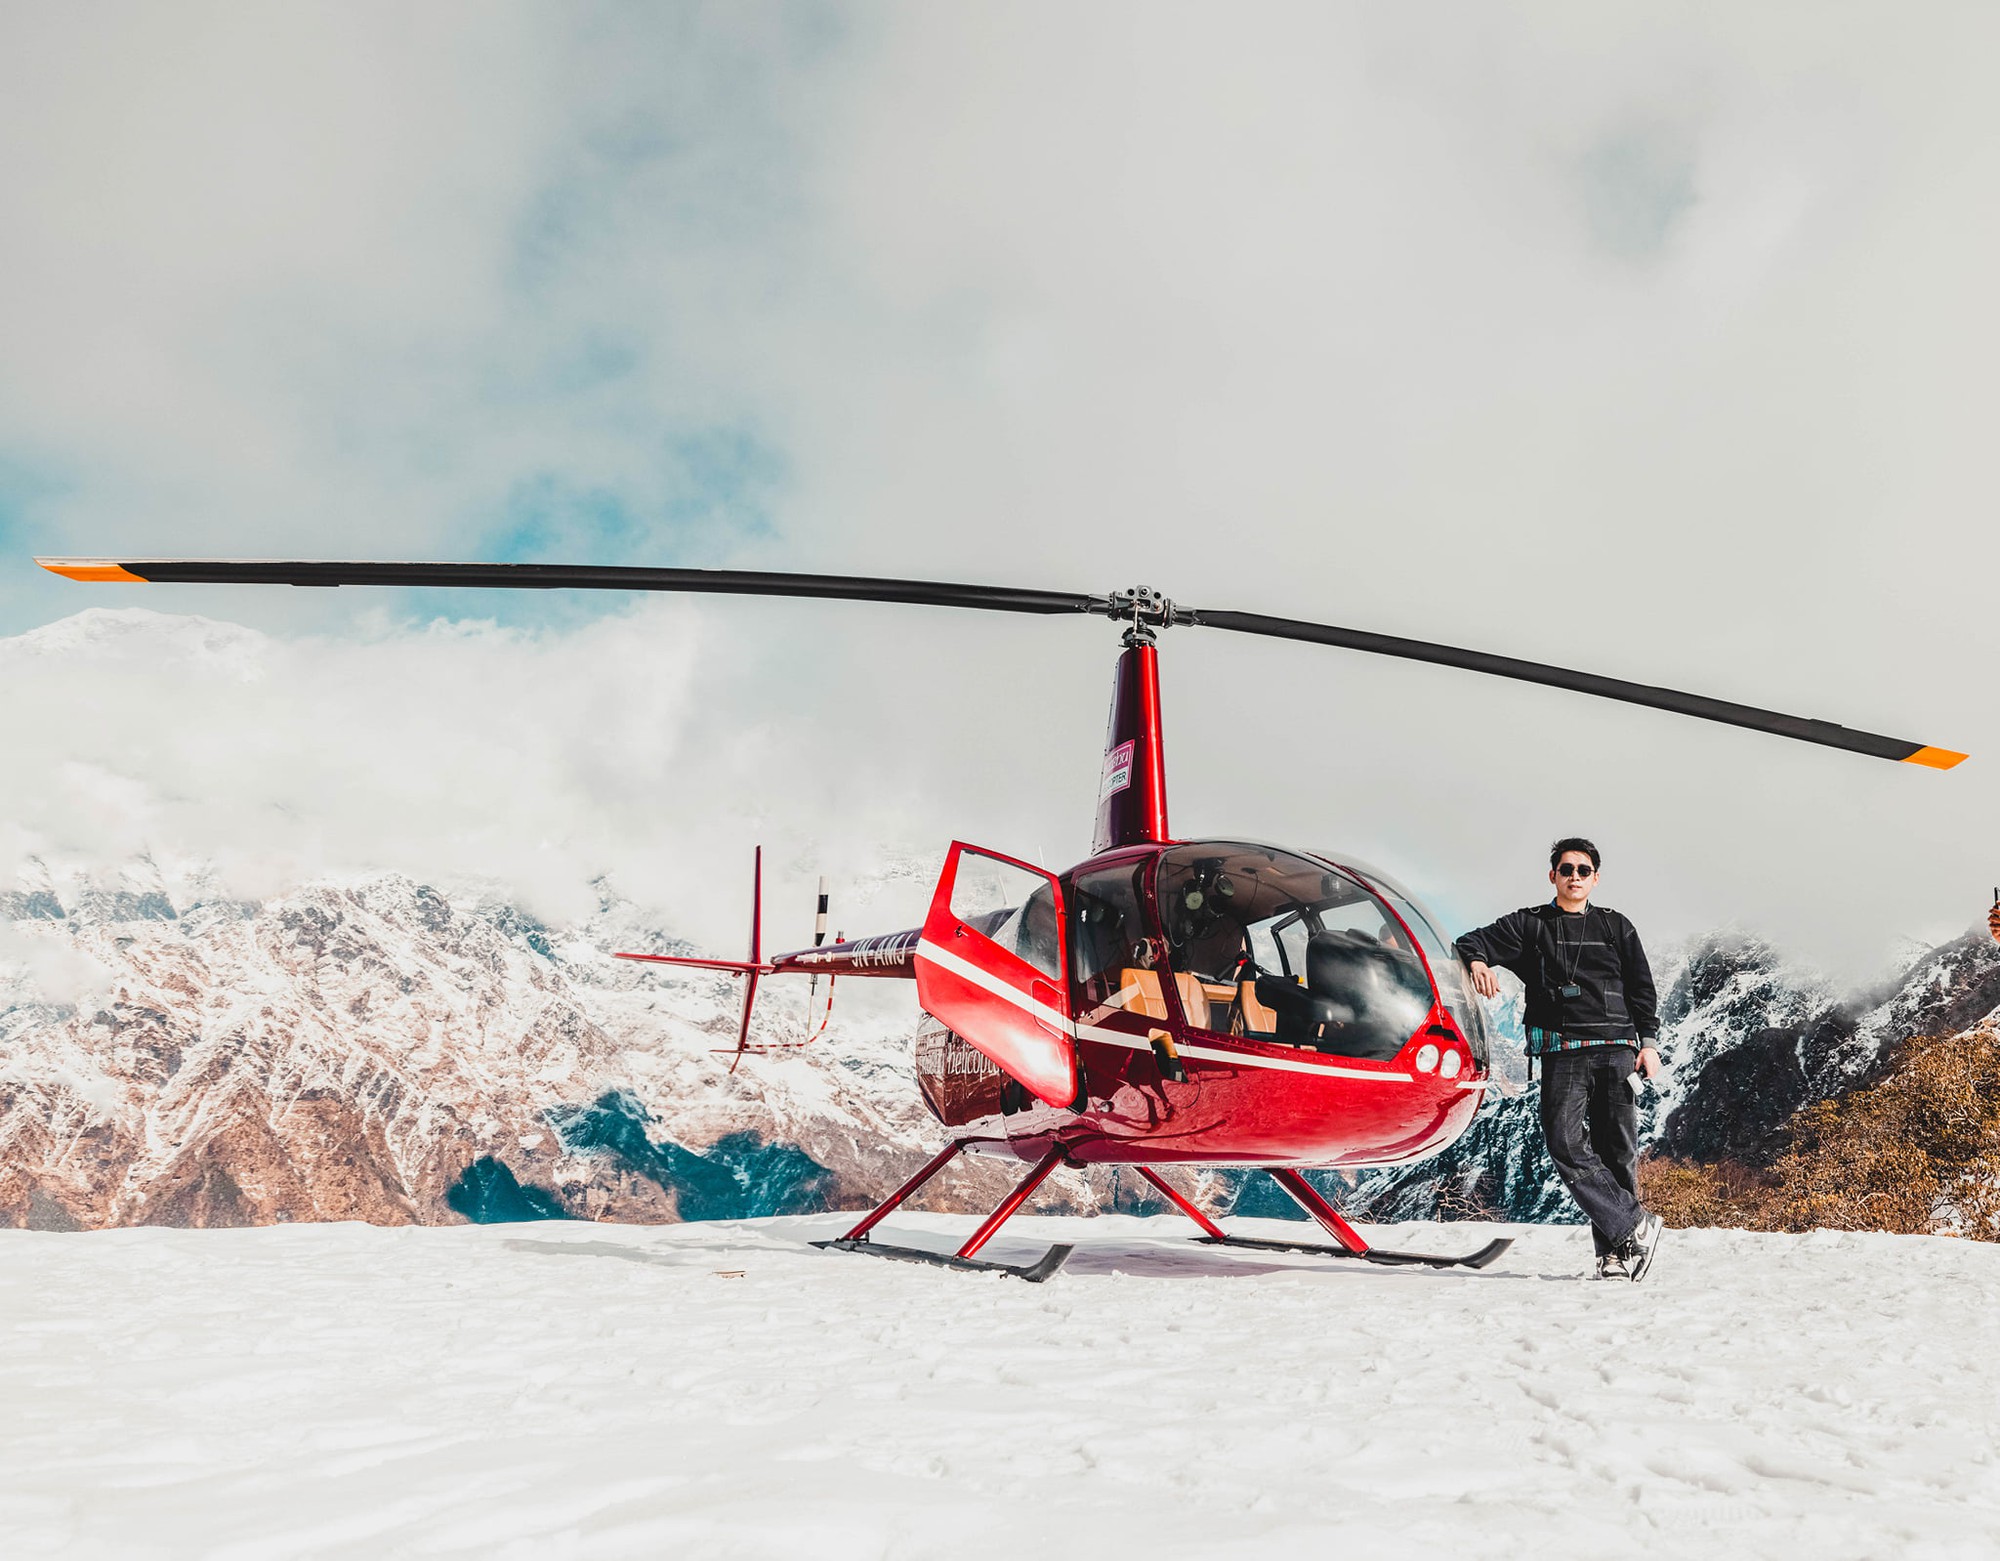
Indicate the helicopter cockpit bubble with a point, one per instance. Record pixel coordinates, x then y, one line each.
1289 951
1453 989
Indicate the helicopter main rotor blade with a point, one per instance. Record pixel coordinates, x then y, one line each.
1825 733
586 577
1144 608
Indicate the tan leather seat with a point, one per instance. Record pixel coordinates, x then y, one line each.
1147 998
1257 1019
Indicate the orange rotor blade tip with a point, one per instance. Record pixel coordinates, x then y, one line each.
89 570
1936 758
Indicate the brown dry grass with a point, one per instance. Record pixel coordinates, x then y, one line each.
1916 1151
1688 1194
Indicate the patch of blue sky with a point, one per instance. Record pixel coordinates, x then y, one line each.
691 144
709 493
546 236
30 495
1638 188
597 362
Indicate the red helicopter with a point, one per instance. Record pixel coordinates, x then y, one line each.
1165 1002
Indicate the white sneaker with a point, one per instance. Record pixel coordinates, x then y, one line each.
1611 1265
1643 1245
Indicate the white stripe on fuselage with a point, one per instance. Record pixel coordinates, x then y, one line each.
986 981
965 970
1237 1059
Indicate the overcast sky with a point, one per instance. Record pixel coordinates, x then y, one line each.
1661 347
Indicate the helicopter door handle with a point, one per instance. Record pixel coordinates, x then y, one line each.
1167 1055
1046 997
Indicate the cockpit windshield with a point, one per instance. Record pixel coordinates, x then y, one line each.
1287 949
1452 985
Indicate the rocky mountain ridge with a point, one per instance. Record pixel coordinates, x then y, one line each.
375 1050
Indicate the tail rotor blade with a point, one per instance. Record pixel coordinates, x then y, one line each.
819 937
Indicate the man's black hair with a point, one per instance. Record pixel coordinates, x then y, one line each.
1574 843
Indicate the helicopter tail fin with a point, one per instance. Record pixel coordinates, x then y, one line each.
750 968
756 966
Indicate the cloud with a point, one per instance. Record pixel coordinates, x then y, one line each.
1655 346
630 748
369 282
57 970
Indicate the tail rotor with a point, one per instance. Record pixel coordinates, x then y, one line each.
756 966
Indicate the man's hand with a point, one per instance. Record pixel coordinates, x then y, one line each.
1649 1062
1486 984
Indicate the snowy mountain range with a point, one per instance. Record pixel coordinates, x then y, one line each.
374 1050
379 1050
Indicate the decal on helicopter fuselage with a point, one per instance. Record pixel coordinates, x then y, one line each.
1117 772
944 1054
890 951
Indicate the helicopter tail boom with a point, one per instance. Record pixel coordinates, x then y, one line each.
736 966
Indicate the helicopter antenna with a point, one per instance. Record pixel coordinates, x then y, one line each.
1148 611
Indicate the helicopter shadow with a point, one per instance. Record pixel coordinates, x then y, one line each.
1158 1260
652 1257
1139 1259
1191 1260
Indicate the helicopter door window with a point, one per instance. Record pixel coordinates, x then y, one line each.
1265 948
1277 950
1013 907
1287 937
1108 935
989 968
1116 961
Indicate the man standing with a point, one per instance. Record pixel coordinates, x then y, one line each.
1592 1019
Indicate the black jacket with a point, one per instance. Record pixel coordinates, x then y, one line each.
1596 953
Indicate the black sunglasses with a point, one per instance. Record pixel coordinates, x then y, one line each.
1574 870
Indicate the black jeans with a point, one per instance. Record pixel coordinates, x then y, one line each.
1591 1121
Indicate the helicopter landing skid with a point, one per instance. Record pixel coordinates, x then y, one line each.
1043 1268
1329 1219
856 1240
1479 1259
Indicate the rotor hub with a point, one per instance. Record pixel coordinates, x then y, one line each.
1144 610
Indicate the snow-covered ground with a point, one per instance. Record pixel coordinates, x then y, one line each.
571 1390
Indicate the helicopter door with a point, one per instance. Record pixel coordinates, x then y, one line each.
990 967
